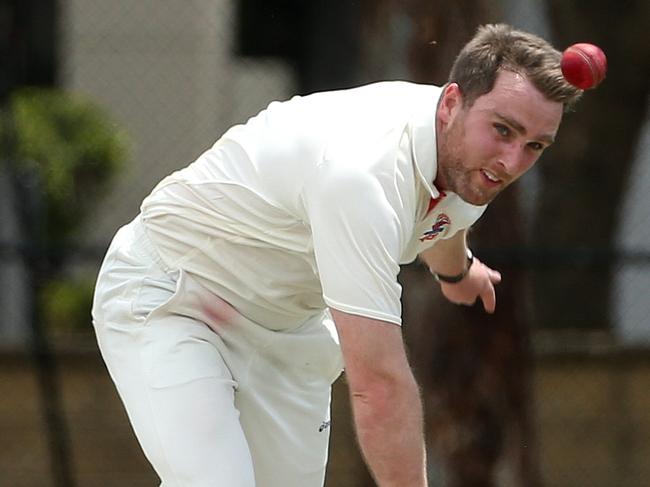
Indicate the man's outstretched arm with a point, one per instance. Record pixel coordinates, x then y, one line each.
385 400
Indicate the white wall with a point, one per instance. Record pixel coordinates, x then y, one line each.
631 292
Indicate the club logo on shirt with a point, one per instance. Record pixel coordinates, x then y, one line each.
440 225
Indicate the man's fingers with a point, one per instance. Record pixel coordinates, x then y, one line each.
494 276
475 287
489 299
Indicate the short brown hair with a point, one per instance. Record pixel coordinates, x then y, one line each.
497 47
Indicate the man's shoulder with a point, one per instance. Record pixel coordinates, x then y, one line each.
383 87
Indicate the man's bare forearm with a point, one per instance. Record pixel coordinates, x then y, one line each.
385 400
447 256
389 424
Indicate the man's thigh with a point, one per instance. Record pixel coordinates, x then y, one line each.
170 373
179 396
284 400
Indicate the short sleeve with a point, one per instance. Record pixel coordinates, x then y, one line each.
357 239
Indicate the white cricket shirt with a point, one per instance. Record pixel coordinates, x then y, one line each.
314 202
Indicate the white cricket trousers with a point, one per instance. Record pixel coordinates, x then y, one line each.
212 404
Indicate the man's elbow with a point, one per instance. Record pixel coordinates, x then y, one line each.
379 396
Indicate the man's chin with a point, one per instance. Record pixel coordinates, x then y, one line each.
477 199
474 192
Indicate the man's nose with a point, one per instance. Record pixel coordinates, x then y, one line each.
511 157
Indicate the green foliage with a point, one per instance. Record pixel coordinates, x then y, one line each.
76 147
66 305
75 150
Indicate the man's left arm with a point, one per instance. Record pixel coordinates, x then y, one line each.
449 259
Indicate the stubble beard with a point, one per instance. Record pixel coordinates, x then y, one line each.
459 180
453 175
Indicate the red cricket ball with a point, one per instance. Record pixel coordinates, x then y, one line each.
584 65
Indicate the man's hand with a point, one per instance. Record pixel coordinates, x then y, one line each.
478 283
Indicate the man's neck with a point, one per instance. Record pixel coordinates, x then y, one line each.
438 181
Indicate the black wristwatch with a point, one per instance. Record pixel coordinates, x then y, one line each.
458 277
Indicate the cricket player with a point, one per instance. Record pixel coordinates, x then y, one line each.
251 278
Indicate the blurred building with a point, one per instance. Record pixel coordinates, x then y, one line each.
632 284
169 73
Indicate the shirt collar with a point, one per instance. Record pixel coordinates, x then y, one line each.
423 136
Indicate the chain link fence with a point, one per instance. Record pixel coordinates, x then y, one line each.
173 75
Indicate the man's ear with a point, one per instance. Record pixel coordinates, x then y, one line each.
450 102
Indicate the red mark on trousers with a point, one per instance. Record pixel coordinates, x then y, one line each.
218 312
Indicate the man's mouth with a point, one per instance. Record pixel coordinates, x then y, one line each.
490 176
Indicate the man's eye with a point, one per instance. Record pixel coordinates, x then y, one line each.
536 146
502 130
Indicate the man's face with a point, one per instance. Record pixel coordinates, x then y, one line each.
487 146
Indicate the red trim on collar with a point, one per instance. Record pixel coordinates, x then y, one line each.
434 201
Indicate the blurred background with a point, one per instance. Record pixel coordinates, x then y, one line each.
99 100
